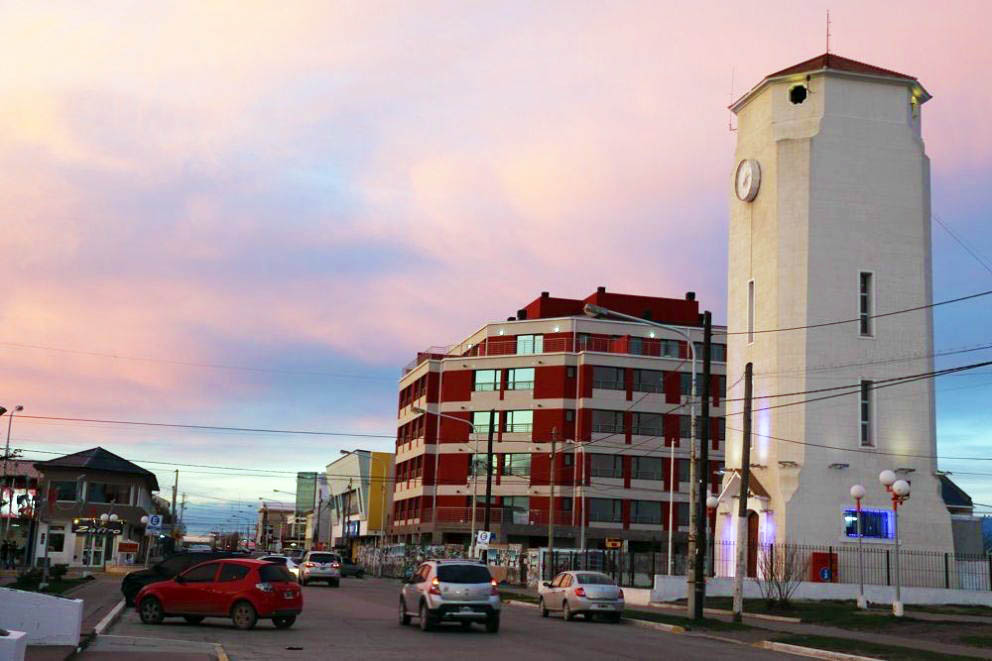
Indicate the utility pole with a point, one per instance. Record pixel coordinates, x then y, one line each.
697 599
182 509
741 567
175 485
489 479
551 506
690 569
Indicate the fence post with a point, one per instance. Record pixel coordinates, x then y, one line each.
947 572
888 574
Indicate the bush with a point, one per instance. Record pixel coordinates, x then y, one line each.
58 572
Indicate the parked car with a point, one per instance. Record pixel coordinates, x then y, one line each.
241 589
321 566
167 570
451 591
586 593
286 562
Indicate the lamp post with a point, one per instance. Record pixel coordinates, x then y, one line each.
900 492
599 311
857 493
712 503
148 539
437 456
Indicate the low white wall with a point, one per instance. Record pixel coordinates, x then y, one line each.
637 596
46 619
13 646
670 588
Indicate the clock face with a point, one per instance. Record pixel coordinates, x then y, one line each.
748 179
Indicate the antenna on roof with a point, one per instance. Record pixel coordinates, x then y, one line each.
730 119
828 31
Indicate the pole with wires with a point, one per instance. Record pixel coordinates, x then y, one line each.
741 561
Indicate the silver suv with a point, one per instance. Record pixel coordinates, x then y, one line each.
451 591
320 566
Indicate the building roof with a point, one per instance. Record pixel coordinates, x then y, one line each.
679 311
953 495
22 468
98 459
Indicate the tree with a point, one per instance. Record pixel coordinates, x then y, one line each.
781 569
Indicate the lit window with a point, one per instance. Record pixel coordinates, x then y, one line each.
519 421
487 380
527 344
876 524
480 421
520 378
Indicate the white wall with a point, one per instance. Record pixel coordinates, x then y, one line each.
671 588
47 620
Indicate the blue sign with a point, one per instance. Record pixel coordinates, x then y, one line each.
825 574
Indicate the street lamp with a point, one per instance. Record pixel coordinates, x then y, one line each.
712 502
900 492
437 456
599 311
857 493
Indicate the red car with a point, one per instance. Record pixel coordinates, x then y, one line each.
241 589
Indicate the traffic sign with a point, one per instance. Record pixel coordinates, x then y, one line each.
614 543
154 526
482 538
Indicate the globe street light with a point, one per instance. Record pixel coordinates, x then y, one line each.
712 502
900 492
857 493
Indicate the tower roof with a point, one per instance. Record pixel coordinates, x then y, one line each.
831 62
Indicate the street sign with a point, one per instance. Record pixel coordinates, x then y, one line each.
154 526
614 543
482 538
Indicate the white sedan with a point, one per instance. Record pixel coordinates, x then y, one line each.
284 560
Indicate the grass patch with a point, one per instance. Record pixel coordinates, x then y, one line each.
54 587
864 648
518 596
952 609
977 641
706 623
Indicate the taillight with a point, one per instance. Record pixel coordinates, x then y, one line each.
621 593
336 565
435 586
580 592
493 590
263 587
309 564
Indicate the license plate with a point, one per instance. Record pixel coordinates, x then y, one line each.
466 609
287 595
600 606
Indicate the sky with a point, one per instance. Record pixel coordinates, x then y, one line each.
254 214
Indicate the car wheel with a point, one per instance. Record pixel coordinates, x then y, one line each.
544 610
193 619
426 624
244 616
492 624
151 611
566 612
334 582
615 618
284 622
404 616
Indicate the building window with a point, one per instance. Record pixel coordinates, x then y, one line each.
569 372
607 422
520 378
685 383
56 539
865 303
721 429
750 311
685 426
867 438
605 509
670 348
645 511
876 524
530 344
64 491
636 346
487 380
566 505
99 492
648 381
480 421
608 378
569 415
722 386
519 421
647 424
606 465
569 459
646 468
682 514
682 466
516 464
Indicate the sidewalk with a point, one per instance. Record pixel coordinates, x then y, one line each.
99 598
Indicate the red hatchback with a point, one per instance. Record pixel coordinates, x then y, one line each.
243 590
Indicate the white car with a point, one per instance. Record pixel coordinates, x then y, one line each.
286 561
321 566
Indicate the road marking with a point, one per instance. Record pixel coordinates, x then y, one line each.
109 618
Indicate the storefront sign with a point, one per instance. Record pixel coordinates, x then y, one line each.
97 527
127 547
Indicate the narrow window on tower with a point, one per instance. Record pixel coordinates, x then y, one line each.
750 311
865 303
867 439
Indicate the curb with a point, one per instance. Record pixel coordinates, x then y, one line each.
657 626
721 611
513 602
811 652
109 619
221 654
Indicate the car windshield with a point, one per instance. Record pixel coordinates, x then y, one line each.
274 574
594 579
323 557
276 559
463 574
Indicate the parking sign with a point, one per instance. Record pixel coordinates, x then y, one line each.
482 538
154 526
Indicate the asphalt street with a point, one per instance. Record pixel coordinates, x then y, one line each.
359 621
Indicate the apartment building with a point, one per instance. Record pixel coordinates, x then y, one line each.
613 394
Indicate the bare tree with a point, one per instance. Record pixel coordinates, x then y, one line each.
780 571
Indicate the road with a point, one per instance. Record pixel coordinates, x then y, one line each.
359 621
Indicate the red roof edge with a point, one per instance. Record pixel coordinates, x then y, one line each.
838 63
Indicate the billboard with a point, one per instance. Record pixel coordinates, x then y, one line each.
306 492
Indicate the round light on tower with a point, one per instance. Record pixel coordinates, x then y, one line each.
887 477
712 502
104 517
114 517
901 488
144 520
857 492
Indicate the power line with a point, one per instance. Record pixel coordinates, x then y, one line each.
961 242
859 318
